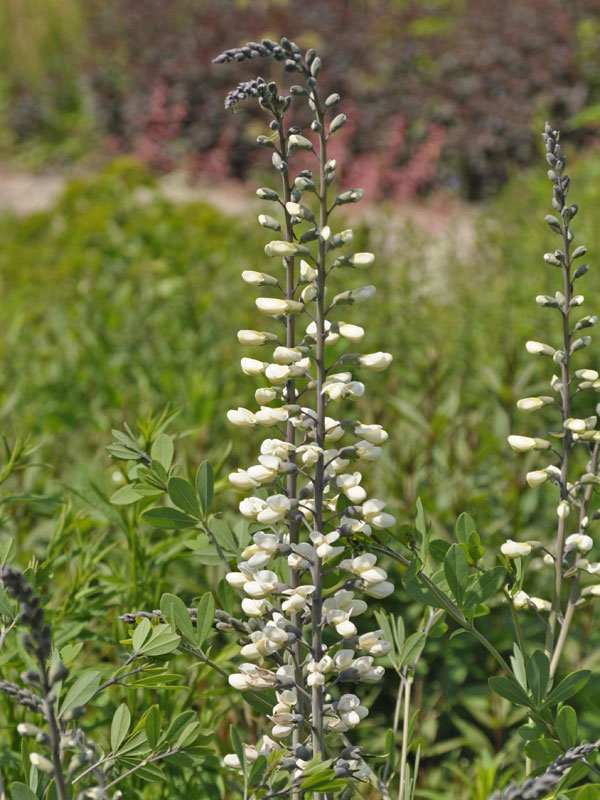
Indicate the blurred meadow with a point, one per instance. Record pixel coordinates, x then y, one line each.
121 294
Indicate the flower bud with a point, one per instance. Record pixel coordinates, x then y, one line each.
539 349
516 549
254 278
530 404
42 763
563 509
536 478
299 141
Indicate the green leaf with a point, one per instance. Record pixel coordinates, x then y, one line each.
258 770
465 525
152 726
205 617
175 611
456 570
184 497
162 450
510 690
569 686
224 536
238 748
588 792
168 518
81 691
21 792
538 676
177 725
485 585
530 731
161 641
125 496
140 634
438 549
543 749
205 486
188 735
413 647
566 727
5 606
119 726
415 589
226 596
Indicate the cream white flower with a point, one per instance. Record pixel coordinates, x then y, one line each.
253 607
276 507
297 599
323 545
580 541
521 600
350 711
516 549
374 434
249 337
254 278
241 480
366 671
372 511
232 761
252 676
265 642
277 447
350 486
362 260
376 361
263 584
252 366
563 509
241 417
367 451
522 444
287 355
575 425
528 404
307 273
265 395
539 349
275 306
331 338
537 477
309 454
266 470
333 430
379 590
263 549
373 643
354 333
277 373
267 417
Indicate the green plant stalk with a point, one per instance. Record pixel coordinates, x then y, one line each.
574 588
451 609
567 445
405 732
290 437
319 481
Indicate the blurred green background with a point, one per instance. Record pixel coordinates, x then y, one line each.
127 212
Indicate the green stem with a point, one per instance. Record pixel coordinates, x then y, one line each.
449 606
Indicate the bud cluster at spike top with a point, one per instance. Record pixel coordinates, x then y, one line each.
305 500
569 380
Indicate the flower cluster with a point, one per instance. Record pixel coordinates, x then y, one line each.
577 431
310 516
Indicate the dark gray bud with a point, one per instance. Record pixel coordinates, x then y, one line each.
303 753
310 56
31 677
58 673
581 270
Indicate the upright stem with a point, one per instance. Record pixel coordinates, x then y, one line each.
574 590
54 735
405 733
319 484
292 477
567 443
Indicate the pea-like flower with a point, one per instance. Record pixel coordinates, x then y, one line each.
579 541
513 549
